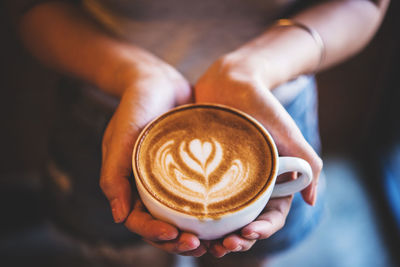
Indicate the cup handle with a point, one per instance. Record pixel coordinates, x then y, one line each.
292 164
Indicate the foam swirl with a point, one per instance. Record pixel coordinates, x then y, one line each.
203 158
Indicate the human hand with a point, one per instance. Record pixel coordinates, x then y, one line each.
238 80
271 219
154 89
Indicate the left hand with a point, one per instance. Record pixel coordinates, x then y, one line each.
154 88
238 80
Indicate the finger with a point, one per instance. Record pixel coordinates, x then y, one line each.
310 192
143 224
236 243
185 94
185 243
285 177
117 191
116 167
114 182
218 250
118 141
198 252
270 221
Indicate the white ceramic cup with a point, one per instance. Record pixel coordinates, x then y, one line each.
209 228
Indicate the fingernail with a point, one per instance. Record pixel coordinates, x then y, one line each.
252 236
184 247
167 236
220 256
116 210
238 248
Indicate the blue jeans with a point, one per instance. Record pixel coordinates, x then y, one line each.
389 163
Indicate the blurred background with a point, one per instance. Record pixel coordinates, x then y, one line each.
359 123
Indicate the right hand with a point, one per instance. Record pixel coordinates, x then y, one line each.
154 89
237 80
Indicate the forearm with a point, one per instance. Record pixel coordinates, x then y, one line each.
64 38
344 26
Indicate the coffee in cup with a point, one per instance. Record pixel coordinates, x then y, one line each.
209 169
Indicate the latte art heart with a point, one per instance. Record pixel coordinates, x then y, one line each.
204 162
198 158
202 158
201 151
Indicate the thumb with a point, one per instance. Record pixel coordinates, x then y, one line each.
117 189
116 169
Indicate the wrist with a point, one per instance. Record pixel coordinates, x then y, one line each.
152 75
284 54
129 65
254 63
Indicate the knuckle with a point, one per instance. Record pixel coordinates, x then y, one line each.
319 163
265 234
280 224
230 69
105 183
226 62
281 221
248 246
